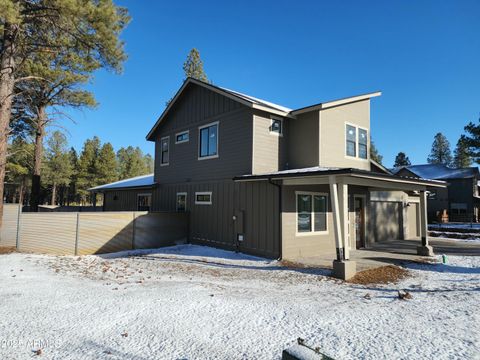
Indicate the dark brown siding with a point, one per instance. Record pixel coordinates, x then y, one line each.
199 106
126 200
255 202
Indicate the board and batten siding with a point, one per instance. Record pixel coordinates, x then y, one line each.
197 107
255 204
124 200
269 149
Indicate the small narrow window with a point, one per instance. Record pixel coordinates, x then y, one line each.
181 202
362 144
311 213
182 137
277 126
203 198
208 147
144 202
165 149
351 137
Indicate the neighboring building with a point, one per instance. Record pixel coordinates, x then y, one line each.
271 181
460 198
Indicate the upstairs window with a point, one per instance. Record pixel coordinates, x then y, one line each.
277 126
362 143
208 142
351 137
182 137
165 150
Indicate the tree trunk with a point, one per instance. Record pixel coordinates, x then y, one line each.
22 191
54 193
7 82
38 157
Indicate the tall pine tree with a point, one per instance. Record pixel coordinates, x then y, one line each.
131 163
88 168
472 140
107 164
193 66
57 167
402 160
374 154
440 153
461 156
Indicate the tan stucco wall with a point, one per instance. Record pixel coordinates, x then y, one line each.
332 134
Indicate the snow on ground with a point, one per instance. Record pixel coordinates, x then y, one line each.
192 302
450 235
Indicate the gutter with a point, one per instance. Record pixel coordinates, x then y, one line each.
279 187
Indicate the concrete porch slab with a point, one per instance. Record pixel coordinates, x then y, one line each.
396 252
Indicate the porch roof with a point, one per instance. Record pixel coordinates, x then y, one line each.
324 172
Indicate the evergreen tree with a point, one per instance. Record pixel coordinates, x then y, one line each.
131 162
72 195
87 176
401 160
440 153
472 140
57 167
86 29
193 66
461 158
374 154
107 164
149 163
19 166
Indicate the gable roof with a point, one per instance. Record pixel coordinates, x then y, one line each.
439 171
135 182
255 103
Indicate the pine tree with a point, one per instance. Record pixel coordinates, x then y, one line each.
81 28
472 140
461 158
72 195
57 167
374 154
440 153
401 160
88 167
131 163
107 164
193 66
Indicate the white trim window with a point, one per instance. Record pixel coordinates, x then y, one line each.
356 142
164 151
181 202
144 202
203 198
208 141
182 137
276 126
311 213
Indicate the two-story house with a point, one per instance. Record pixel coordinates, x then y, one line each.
267 180
460 198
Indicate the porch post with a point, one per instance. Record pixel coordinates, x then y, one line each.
425 249
342 267
343 207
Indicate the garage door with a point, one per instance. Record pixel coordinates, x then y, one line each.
386 220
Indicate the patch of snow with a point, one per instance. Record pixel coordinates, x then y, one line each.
197 302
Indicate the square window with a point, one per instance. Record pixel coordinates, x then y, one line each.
277 126
144 202
311 213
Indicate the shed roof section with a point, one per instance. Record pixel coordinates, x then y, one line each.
256 103
439 171
318 171
135 182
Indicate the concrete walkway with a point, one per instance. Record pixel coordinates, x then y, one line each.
398 252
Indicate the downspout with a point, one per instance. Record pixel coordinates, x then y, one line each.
279 187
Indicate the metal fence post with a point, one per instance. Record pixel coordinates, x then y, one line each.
133 231
76 234
17 240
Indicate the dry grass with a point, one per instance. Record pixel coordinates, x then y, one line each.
6 250
381 275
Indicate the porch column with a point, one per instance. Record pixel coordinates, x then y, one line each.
343 209
342 267
425 249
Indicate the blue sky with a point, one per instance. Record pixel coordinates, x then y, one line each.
423 55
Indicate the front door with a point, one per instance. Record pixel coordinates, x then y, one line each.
359 222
